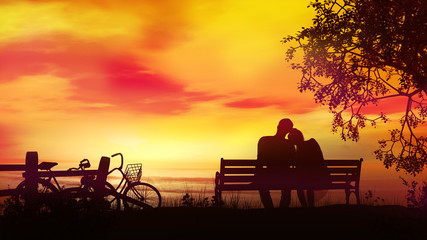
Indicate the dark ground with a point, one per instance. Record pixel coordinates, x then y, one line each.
332 222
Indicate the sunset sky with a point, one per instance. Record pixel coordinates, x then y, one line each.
167 83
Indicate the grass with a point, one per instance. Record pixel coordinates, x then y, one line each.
250 200
204 198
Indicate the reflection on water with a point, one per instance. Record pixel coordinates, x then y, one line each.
174 183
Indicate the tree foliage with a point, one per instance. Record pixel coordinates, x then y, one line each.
360 52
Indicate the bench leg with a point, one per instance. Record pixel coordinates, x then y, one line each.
356 192
218 199
348 193
347 196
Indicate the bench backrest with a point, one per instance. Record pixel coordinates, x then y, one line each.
242 171
344 170
237 170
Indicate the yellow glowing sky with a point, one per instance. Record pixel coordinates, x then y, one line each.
168 83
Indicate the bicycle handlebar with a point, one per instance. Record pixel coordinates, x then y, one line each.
82 166
121 163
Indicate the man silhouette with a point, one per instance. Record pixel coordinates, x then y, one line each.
275 152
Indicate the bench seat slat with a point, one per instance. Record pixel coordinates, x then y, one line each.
253 169
343 170
233 187
238 178
250 180
239 171
252 186
251 177
342 162
343 178
240 162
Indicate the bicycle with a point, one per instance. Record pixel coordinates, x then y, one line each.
48 194
133 188
131 191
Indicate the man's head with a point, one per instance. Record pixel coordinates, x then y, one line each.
285 126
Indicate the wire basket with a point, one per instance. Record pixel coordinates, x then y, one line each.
133 172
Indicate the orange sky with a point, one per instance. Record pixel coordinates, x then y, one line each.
167 83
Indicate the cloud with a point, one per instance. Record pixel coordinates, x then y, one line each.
151 24
125 82
251 103
102 48
7 142
98 75
296 107
387 106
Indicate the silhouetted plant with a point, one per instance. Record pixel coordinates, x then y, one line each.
14 206
200 201
204 203
11 207
234 200
213 201
187 200
416 196
371 199
360 52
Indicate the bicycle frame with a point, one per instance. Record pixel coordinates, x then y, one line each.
124 177
48 179
124 182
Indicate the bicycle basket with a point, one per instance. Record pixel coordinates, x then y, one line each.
133 172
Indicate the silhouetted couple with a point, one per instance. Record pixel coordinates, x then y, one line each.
278 154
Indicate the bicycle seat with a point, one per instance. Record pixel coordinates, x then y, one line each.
47 165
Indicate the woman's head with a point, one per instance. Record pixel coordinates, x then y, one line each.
295 136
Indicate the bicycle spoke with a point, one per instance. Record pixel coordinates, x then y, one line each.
144 193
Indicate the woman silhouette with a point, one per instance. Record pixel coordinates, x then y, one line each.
311 167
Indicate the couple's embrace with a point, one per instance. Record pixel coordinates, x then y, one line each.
276 157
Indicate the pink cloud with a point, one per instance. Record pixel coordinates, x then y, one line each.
59 53
387 106
296 106
251 103
304 105
98 75
125 74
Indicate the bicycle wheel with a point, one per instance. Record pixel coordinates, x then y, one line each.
76 198
144 193
111 199
47 195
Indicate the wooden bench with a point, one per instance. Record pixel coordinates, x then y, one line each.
239 175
